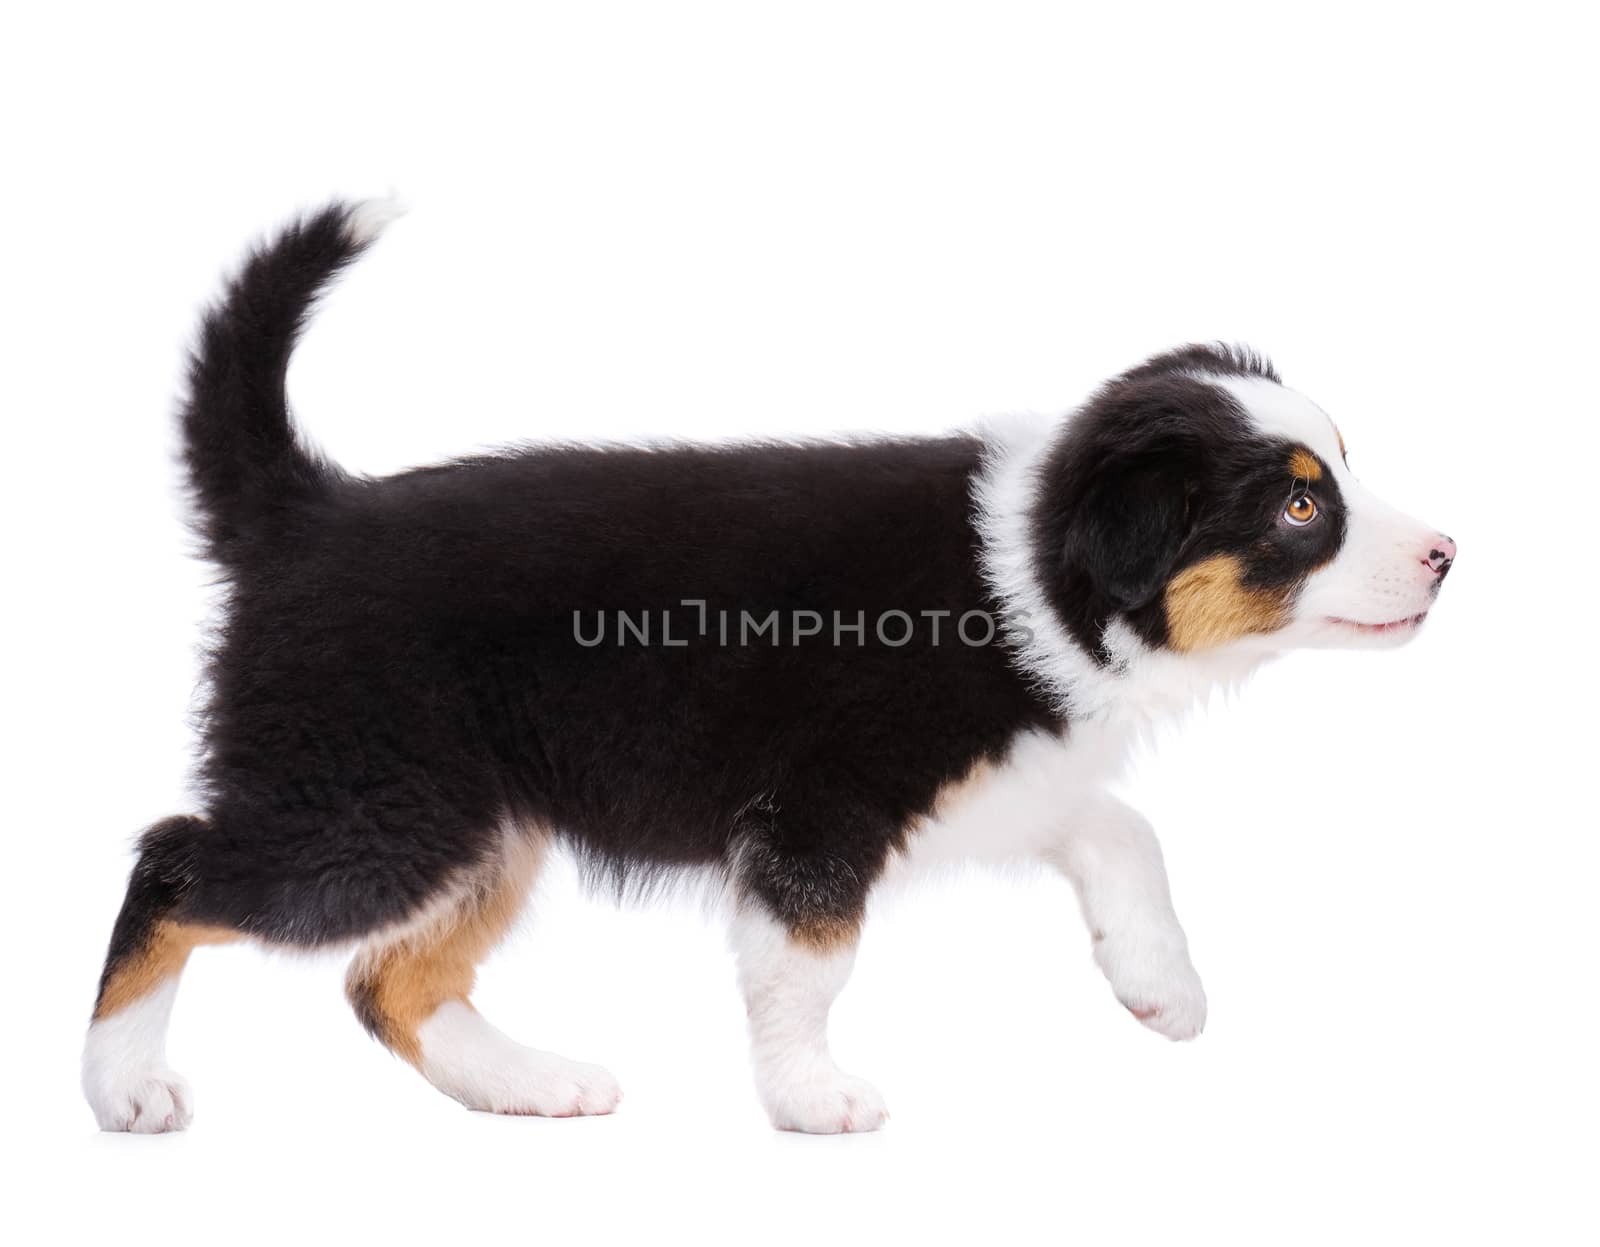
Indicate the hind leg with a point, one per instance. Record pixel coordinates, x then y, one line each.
125 1074
410 987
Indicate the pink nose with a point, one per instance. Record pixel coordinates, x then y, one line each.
1441 555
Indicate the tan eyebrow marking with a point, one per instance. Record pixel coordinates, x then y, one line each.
1304 464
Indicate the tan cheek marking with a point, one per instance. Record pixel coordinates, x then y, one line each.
1208 605
397 985
1305 466
162 957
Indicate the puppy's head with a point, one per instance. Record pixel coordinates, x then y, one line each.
1201 503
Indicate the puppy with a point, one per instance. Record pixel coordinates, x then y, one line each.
798 668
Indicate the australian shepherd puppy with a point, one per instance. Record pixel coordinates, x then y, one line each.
799 668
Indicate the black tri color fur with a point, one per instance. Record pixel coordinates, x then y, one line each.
400 671
1161 471
405 665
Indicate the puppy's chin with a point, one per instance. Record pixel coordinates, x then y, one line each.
1333 632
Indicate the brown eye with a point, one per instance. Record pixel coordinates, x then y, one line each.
1301 510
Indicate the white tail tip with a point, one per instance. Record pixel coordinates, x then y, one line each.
370 217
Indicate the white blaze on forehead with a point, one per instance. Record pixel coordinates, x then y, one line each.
1373 579
1280 412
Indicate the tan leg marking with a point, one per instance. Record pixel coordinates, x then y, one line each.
956 793
163 957
826 935
1208 604
398 981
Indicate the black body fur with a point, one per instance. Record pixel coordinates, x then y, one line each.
398 677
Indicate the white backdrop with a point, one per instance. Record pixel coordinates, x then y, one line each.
706 221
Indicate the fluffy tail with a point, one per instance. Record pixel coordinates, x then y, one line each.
246 466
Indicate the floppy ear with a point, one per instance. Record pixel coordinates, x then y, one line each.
1129 528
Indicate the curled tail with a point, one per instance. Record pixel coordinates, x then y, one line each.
246 466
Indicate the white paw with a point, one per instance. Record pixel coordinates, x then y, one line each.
154 1102
472 1062
826 1102
545 1085
125 1074
1157 984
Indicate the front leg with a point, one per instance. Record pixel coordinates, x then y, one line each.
1110 854
802 874
789 980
